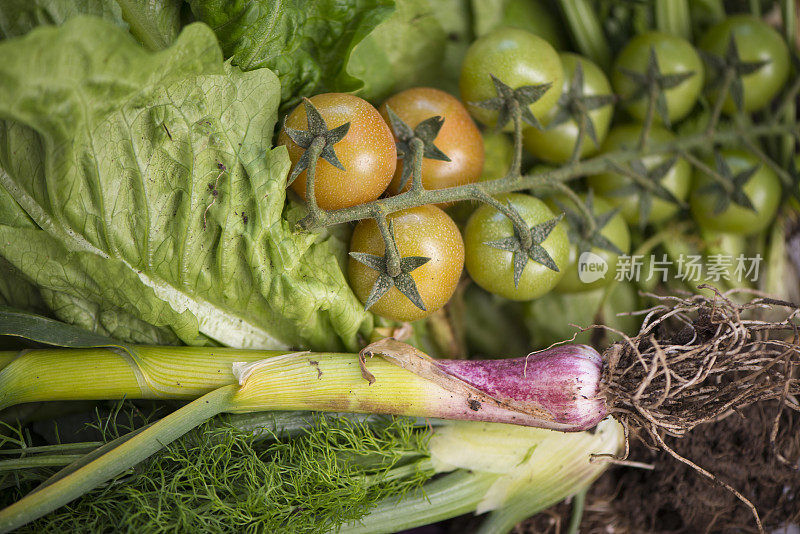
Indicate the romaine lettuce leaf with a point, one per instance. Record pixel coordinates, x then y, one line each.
151 197
307 43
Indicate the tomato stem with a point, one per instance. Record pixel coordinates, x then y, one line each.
510 183
521 229
697 163
730 74
754 149
590 225
653 91
516 163
417 146
313 152
390 246
582 118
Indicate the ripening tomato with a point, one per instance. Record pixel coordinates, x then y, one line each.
517 58
423 231
493 268
675 56
755 41
556 143
459 138
367 152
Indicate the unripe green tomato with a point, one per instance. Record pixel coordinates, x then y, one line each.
532 16
556 144
517 58
499 152
755 41
616 231
609 184
493 269
675 55
763 189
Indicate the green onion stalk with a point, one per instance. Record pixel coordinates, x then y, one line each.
556 389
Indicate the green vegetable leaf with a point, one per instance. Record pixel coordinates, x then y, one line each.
307 43
404 51
18 17
142 200
154 23
37 328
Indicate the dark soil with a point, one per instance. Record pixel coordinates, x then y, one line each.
674 499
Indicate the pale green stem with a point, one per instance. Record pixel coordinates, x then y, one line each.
729 76
417 154
516 162
390 251
647 125
578 503
584 26
448 496
103 373
63 447
673 16
38 461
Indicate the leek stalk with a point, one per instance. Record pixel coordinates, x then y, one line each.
555 389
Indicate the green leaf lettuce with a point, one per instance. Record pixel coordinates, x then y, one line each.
155 23
139 194
307 43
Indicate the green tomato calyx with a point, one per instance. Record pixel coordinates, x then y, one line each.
513 103
652 84
402 280
526 244
574 104
317 136
731 65
584 226
415 143
645 184
729 187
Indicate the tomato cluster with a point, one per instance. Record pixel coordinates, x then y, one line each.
518 245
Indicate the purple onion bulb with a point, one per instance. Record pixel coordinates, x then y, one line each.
563 380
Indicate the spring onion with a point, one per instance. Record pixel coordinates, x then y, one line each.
553 389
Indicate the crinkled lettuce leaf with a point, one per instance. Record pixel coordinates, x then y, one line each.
141 195
155 23
307 43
